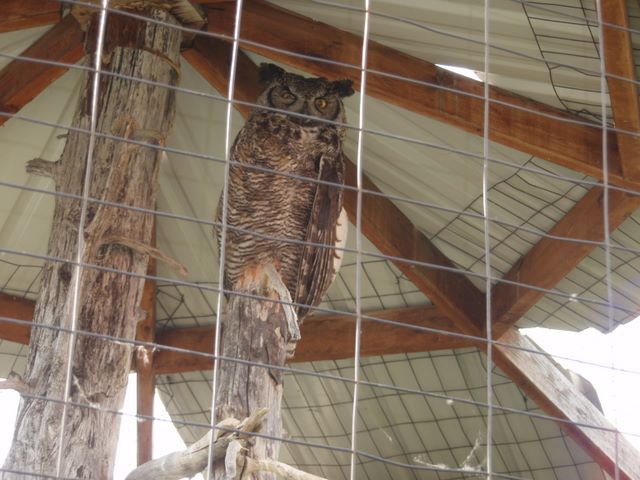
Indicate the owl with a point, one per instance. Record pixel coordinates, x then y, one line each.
285 187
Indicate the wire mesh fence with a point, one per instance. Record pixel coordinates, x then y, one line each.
456 204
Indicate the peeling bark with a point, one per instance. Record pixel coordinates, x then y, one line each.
254 331
122 173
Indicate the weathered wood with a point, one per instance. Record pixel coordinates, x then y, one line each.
108 301
193 460
332 337
182 10
22 80
528 126
324 337
145 377
556 395
550 260
256 332
623 92
19 14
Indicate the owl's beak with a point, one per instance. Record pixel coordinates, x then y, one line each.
306 111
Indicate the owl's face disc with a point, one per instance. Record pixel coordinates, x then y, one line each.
314 101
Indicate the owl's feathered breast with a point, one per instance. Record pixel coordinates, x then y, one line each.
274 208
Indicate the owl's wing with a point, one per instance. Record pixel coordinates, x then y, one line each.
317 265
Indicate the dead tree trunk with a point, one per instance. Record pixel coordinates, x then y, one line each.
254 331
123 173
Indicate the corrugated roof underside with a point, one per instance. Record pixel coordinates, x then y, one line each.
422 431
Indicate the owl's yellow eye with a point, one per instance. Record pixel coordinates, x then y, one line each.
321 103
287 96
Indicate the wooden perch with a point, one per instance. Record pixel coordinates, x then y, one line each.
228 445
256 332
193 460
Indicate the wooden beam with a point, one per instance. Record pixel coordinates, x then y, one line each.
20 14
528 127
15 308
557 396
21 80
145 376
325 337
550 260
393 233
623 94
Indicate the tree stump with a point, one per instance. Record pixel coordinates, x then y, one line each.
109 302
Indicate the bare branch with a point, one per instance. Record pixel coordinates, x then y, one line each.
15 382
42 167
193 460
145 249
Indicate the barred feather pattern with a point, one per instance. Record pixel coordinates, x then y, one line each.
271 215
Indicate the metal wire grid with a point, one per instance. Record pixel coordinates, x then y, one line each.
575 98
402 427
563 477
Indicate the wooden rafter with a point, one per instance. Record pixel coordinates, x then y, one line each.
550 260
325 337
21 81
556 395
15 308
377 339
19 14
393 234
516 122
621 77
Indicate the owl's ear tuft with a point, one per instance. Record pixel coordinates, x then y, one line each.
269 72
344 88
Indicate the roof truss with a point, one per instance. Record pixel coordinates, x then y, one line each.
19 14
394 234
401 330
21 80
517 122
621 78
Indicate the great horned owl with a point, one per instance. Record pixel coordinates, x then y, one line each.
274 215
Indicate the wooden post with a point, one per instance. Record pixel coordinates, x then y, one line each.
109 302
253 331
145 376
